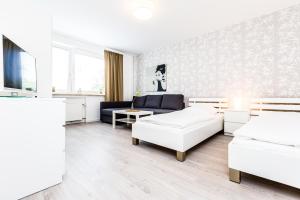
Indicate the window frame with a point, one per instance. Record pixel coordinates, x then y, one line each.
71 69
68 81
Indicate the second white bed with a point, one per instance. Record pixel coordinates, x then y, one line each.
268 147
276 162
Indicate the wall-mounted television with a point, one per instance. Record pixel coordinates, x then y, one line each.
19 67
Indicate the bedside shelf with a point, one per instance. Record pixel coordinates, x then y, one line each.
234 119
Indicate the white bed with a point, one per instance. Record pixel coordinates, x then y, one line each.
269 145
175 135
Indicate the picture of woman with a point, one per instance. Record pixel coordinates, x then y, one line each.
157 79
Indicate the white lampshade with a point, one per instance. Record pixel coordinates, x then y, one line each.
143 9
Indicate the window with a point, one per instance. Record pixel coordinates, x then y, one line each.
75 72
60 70
89 74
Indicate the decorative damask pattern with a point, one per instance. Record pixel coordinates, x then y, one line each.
288 55
257 58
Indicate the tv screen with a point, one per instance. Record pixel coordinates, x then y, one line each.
19 67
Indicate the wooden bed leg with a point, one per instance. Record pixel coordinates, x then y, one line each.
135 141
180 156
234 175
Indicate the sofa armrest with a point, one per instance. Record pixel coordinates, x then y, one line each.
118 104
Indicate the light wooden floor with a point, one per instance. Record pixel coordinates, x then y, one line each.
102 164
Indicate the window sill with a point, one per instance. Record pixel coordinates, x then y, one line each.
75 94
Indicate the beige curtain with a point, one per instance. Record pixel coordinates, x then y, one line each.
113 76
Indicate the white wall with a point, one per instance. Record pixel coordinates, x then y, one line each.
31 29
258 58
128 80
78 45
93 108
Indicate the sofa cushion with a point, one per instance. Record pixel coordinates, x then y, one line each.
172 101
153 101
108 111
139 102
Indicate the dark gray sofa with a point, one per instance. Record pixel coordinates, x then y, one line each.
159 104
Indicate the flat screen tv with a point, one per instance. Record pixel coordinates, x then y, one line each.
19 67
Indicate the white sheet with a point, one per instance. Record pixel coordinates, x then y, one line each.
182 119
277 128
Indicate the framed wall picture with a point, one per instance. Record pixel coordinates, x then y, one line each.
156 78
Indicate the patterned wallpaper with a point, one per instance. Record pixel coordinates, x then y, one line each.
257 58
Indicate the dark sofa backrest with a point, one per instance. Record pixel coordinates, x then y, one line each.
153 101
172 101
166 101
139 102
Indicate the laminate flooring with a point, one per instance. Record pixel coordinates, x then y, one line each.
101 163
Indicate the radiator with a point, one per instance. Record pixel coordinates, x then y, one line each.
75 109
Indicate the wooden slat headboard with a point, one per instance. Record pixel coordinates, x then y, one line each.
220 103
258 105
261 105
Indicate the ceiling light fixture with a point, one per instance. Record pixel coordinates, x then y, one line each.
143 9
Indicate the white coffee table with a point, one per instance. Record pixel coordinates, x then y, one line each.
128 113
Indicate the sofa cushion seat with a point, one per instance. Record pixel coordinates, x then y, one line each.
108 111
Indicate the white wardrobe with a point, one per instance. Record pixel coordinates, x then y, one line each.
32 145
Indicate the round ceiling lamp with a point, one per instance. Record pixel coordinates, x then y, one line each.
143 9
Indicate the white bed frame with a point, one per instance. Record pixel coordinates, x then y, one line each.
281 165
180 140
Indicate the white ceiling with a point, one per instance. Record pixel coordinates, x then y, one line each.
110 22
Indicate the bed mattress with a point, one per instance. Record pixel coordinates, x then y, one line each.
276 128
179 139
